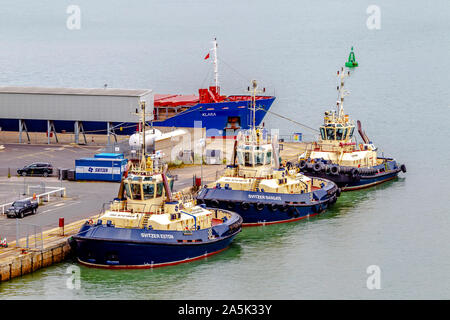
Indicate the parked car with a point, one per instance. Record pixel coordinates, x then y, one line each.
20 208
38 168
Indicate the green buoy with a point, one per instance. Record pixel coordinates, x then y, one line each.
351 63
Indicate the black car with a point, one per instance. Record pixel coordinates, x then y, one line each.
39 168
21 208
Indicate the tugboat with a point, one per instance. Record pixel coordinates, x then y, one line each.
262 191
338 157
149 226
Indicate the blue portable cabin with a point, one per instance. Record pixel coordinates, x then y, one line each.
100 169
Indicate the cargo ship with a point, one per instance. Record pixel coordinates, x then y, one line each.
149 226
221 115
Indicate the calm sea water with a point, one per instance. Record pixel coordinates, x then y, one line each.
400 93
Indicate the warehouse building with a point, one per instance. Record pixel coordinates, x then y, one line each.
71 110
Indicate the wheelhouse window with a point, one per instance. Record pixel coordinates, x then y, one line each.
268 157
330 133
345 134
351 132
128 190
322 133
149 190
259 158
136 191
339 133
248 159
159 189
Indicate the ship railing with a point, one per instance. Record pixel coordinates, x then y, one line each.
132 207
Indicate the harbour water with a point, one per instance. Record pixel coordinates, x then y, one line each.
399 92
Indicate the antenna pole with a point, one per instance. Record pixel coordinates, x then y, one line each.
143 134
342 74
216 68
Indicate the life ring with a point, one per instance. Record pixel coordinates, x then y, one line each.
245 206
259 206
90 221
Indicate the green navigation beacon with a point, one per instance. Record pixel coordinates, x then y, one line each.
351 63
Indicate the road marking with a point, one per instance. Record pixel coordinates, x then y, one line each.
59 204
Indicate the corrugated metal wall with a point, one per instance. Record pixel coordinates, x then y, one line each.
71 107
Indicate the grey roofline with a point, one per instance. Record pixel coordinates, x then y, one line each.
77 91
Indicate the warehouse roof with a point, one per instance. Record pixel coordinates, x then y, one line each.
77 91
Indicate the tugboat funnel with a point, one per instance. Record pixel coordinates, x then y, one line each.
362 133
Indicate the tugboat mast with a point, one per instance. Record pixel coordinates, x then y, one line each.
342 74
254 90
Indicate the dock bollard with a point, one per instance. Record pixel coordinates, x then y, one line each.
61 226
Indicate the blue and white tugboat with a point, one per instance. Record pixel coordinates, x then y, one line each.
338 157
262 191
149 226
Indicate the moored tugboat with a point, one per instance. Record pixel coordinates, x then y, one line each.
262 191
149 226
338 157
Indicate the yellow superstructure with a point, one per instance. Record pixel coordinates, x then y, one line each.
336 143
257 168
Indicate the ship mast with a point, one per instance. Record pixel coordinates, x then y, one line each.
342 74
143 159
216 67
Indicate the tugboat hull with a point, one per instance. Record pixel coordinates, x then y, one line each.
105 246
258 208
365 178
95 253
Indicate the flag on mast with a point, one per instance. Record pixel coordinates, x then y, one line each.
207 56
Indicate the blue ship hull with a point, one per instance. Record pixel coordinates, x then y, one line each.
257 208
347 182
213 116
105 246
